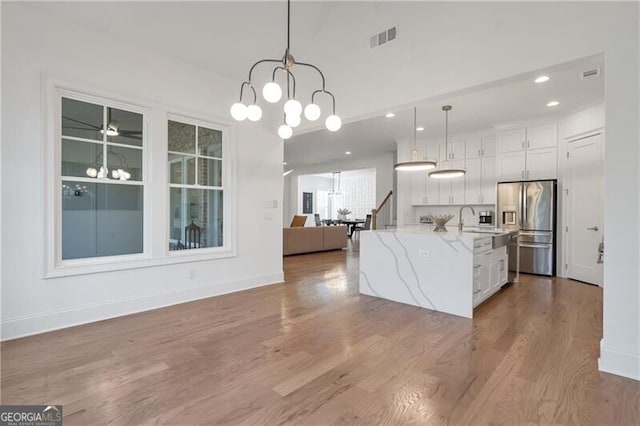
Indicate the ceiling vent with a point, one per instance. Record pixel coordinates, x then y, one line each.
590 73
383 37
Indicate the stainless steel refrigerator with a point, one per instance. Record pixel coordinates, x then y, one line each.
530 207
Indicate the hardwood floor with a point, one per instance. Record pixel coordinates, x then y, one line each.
313 351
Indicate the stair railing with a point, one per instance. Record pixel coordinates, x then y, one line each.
374 212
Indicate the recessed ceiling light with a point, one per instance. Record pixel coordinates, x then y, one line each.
553 103
284 163
347 152
541 79
419 129
390 115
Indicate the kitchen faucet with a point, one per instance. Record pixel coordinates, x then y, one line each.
460 222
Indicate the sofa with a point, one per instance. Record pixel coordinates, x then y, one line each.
312 239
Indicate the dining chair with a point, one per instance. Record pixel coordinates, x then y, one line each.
366 226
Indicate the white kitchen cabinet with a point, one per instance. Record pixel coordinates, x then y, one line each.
511 140
480 181
535 158
542 164
456 150
477 146
481 270
489 182
545 136
424 190
499 268
473 181
452 190
511 166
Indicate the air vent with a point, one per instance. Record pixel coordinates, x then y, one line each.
590 73
383 37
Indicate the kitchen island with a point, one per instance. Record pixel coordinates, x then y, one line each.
449 272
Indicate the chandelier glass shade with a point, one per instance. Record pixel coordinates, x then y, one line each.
447 172
335 191
273 93
415 164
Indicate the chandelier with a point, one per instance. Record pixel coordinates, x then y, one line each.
335 191
272 93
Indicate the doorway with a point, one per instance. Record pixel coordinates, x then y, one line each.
585 181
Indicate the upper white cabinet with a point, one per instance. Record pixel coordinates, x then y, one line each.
455 150
452 190
511 140
533 157
542 136
480 181
542 164
484 146
512 166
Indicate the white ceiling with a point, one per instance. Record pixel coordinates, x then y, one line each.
489 107
228 37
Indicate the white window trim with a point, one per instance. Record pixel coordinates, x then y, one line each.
55 266
228 196
156 151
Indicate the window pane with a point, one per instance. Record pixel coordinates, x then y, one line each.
182 169
101 219
182 137
196 218
210 142
128 126
209 172
79 157
128 160
81 119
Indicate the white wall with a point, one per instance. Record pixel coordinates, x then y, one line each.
384 182
33 44
491 41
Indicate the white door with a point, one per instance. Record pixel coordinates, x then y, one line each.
457 184
473 147
418 193
585 213
489 146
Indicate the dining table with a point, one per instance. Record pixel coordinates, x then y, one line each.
351 225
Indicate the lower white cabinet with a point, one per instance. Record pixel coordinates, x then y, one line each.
490 270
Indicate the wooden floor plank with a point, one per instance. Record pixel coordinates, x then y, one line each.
312 350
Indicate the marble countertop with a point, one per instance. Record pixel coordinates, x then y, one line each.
452 231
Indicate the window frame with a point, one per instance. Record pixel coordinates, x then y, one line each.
227 249
155 173
55 265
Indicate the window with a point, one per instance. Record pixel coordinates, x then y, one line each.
196 189
101 178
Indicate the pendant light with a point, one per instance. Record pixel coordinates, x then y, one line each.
335 186
415 165
272 93
446 172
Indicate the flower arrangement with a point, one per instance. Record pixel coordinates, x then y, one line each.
344 212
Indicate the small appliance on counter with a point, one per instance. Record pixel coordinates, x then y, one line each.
426 219
485 218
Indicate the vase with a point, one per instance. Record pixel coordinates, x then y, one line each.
342 217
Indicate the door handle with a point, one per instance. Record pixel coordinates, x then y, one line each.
595 228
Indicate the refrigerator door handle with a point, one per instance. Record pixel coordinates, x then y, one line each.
524 204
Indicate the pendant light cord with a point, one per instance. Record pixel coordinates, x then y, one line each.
446 132
288 26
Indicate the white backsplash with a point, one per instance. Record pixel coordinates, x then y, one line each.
468 218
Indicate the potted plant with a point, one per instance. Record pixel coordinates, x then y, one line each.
343 213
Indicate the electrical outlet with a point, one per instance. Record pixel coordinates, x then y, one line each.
192 274
424 253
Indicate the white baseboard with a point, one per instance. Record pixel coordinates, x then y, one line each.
623 364
14 328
